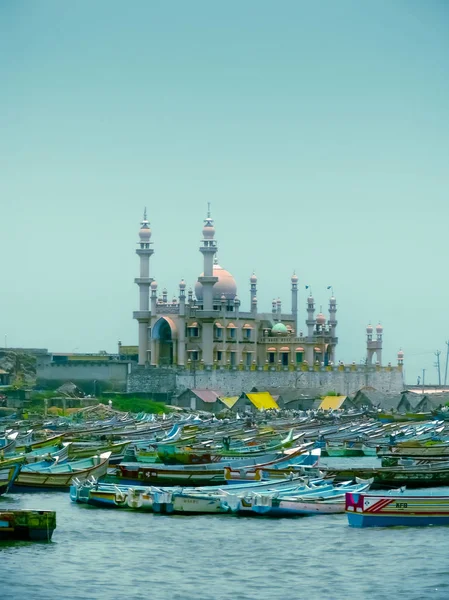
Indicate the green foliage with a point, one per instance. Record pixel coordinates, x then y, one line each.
136 405
331 393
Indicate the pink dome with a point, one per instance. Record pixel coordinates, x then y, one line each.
154 285
320 319
379 328
400 354
225 285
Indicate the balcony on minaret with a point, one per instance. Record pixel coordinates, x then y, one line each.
141 315
143 280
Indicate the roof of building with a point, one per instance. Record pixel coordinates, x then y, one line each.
229 401
3 372
332 402
209 396
279 328
262 400
225 286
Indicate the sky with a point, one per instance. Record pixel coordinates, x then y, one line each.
319 132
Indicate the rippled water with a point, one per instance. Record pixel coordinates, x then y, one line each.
101 554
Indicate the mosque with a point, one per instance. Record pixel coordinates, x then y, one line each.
205 327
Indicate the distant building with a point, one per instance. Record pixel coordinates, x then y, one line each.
208 326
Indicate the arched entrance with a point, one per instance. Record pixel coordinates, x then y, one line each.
163 333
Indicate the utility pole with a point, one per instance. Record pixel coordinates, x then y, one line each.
447 361
437 365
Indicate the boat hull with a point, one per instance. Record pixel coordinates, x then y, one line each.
402 510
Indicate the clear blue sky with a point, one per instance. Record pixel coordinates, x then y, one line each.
318 130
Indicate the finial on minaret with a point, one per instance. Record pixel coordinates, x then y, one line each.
145 214
208 210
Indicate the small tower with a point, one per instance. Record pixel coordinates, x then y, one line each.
310 316
253 292
374 346
254 305
274 309
279 309
153 298
333 316
400 357
144 252
294 280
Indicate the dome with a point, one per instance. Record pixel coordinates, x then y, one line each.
253 278
182 284
154 285
333 300
320 319
279 329
400 354
294 278
145 232
225 285
369 329
379 328
310 300
208 229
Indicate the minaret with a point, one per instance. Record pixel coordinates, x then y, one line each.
238 333
294 280
310 327
154 359
208 249
310 318
274 309
253 292
182 324
144 251
332 316
379 333
279 309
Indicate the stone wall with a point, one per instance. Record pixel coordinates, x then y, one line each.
345 381
106 375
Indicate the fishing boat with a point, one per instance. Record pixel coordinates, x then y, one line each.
26 524
8 474
311 501
396 509
196 475
48 476
79 450
415 476
29 446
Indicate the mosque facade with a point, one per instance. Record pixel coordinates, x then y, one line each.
205 327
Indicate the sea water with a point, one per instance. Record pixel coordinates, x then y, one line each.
101 554
107 554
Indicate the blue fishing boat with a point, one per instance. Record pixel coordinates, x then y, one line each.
397 508
8 474
47 476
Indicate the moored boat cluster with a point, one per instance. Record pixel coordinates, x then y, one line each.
273 464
